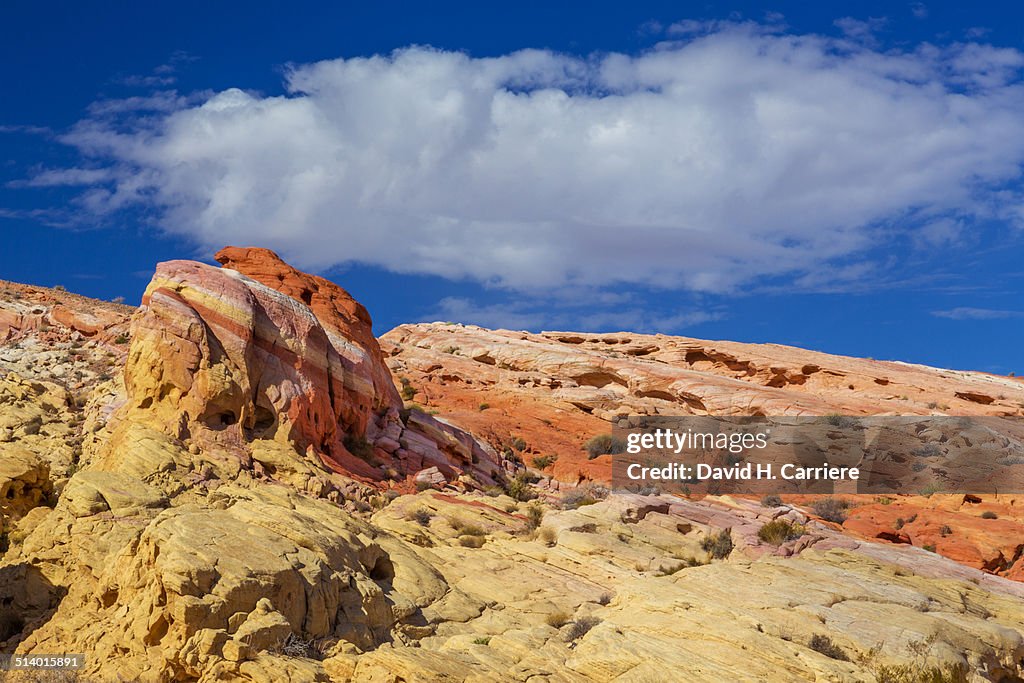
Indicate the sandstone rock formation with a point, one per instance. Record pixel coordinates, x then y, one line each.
238 504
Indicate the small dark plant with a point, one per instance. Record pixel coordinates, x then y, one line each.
719 545
604 444
824 645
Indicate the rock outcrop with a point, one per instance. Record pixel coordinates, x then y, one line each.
231 498
218 357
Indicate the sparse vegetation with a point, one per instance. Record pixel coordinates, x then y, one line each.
534 516
485 640
930 547
542 462
824 645
421 517
580 628
928 450
931 489
465 528
945 530
831 509
898 524
586 494
778 531
908 673
719 545
558 619
518 444
408 391
547 536
518 488
605 598
468 541
604 444
771 501
588 528
484 406
988 514
121 339
840 421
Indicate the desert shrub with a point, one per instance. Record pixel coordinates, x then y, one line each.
719 545
547 536
484 406
771 501
919 466
558 619
930 547
910 673
931 489
899 523
824 645
840 421
831 509
945 530
542 462
580 628
928 450
422 485
912 518
586 494
534 515
778 531
518 488
466 529
408 391
468 541
588 528
605 598
604 444
421 517
485 640
988 514
518 444
121 339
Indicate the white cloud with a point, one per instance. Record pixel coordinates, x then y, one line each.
968 313
739 153
534 315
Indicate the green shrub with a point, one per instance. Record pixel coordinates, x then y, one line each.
719 545
831 509
604 444
408 391
518 488
778 531
542 462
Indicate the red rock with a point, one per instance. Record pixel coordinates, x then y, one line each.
226 357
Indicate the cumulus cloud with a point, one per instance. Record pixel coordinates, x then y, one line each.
533 315
736 153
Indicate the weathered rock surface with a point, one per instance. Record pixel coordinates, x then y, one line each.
233 511
218 357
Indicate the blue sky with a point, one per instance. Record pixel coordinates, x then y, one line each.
842 177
